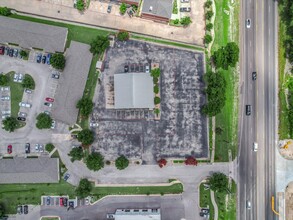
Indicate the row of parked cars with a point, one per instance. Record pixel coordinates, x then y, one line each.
12 52
22 209
44 58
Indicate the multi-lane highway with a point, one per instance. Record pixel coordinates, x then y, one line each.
258 53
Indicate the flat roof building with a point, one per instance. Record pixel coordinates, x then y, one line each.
29 170
133 90
30 35
135 214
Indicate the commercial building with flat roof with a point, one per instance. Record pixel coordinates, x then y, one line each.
30 35
29 170
133 90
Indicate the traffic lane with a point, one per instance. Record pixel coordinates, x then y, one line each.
172 207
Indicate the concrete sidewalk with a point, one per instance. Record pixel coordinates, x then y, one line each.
192 34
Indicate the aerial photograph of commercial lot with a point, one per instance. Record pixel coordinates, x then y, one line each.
145 109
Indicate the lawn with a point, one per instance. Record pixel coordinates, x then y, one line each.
205 200
229 212
283 110
16 92
228 118
12 195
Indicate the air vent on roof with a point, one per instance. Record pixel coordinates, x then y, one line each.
151 8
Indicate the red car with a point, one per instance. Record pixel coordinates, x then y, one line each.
49 99
61 201
2 50
9 149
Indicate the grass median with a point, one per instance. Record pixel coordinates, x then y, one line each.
12 195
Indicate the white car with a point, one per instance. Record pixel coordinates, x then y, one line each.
248 23
255 147
53 125
25 104
37 147
15 78
147 68
5 88
5 98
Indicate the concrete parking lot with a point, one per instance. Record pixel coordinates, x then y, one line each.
181 131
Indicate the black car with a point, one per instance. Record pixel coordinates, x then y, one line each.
55 76
126 69
44 59
253 75
109 8
27 148
248 109
65 202
185 9
10 52
71 204
48 200
7 50
21 118
66 177
19 210
39 58
25 209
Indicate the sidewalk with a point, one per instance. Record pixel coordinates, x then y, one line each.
192 34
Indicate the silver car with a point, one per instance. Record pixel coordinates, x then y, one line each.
248 23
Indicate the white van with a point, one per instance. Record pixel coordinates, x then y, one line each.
255 146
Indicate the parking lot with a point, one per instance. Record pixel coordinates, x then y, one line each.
181 131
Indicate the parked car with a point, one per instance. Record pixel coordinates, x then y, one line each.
66 177
7 50
55 76
71 204
61 201
25 209
20 77
15 52
39 58
47 112
2 50
29 91
10 52
48 58
7 88
185 9
19 210
44 59
53 125
49 99
21 118
9 149
37 147
22 114
109 8
48 104
25 104
147 68
41 147
126 69
65 201
27 148
5 98
184 1
48 200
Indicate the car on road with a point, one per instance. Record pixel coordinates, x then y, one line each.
248 23
66 177
39 58
49 99
48 200
9 149
255 147
25 209
44 59
21 118
48 58
2 50
25 104
37 147
109 8
248 204
49 104
5 98
28 91
27 148
248 109
253 75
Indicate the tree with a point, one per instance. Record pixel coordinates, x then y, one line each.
76 154
209 26
2 210
121 162
23 53
216 93
44 121
190 161
208 38
185 21
155 73
208 4
226 56
5 11
99 45
209 14
49 147
84 188
176 21
123 35
162 162
218 182
155 80
86 137
157 100
28 82
95 161
156 89
58 61
123 8
80 5
4 79
85 106
10 124
157 111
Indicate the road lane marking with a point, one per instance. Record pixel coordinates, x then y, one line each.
250 43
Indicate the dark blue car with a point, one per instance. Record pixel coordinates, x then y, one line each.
39 58
48 58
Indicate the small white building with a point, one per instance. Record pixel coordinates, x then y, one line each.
135 214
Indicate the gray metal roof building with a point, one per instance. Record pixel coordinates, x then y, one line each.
29 170
32 35
161 8
133 90
72 82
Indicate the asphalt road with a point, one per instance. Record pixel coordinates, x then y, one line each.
256 169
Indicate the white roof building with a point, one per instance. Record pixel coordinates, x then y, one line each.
136 214
133 90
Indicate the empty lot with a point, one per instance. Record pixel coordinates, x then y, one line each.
181 131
